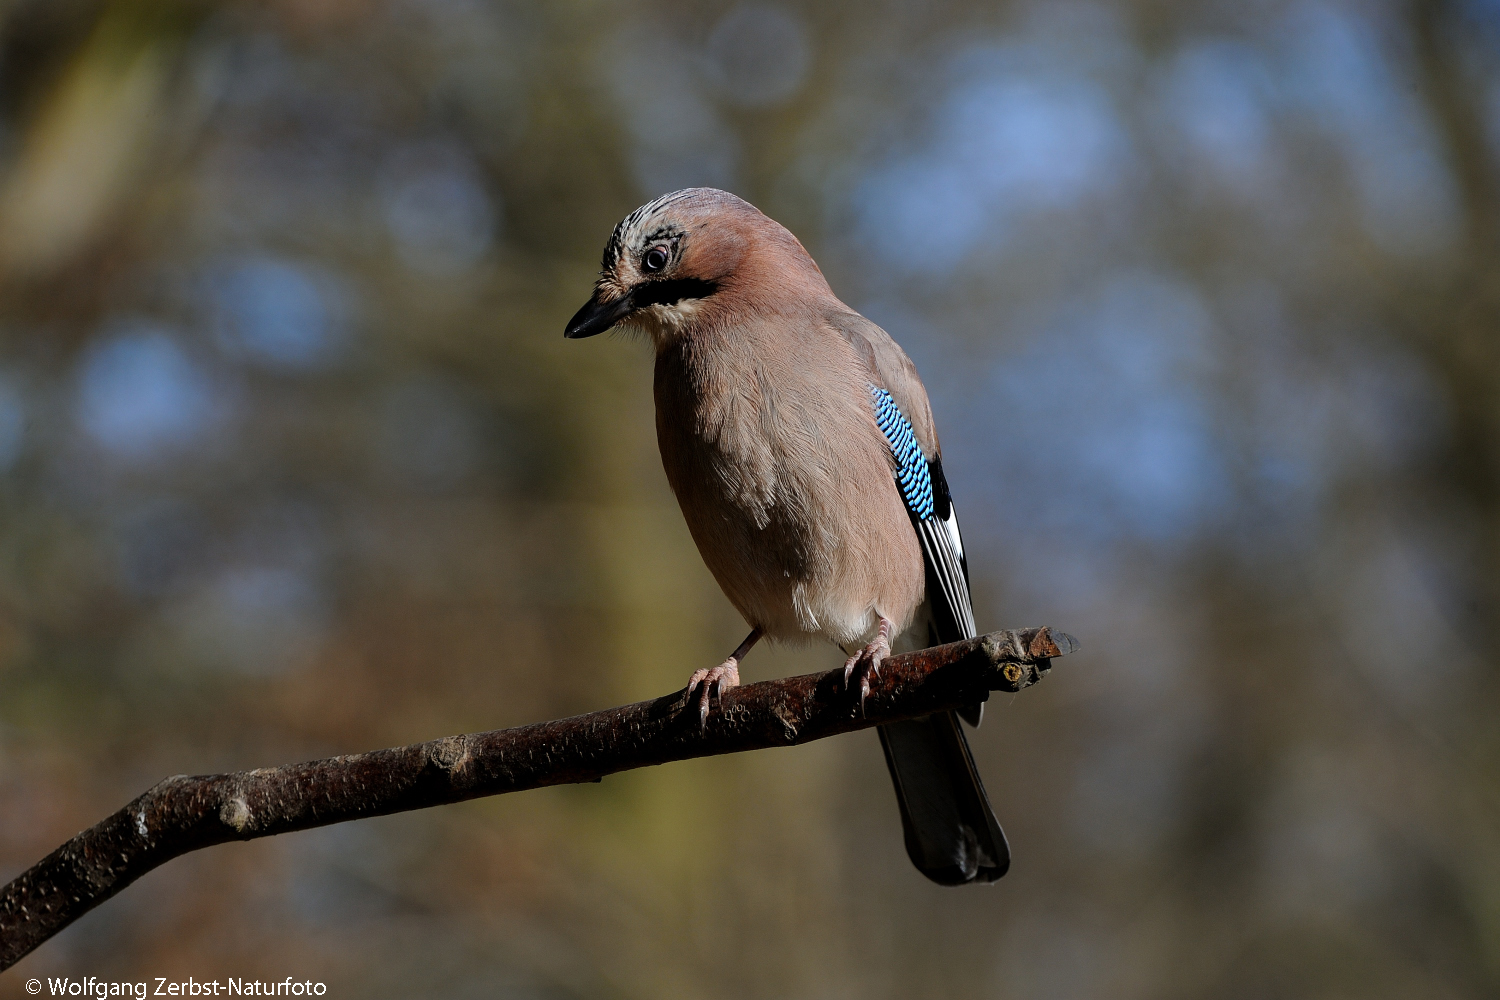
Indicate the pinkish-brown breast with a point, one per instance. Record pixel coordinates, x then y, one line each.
770 444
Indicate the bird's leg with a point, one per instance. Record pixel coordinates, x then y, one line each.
709 683
863 665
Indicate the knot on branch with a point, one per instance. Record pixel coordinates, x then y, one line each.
448 753
790 723
235 812
1023 657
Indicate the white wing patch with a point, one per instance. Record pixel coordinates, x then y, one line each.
944 550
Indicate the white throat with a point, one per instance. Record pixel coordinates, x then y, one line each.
665 323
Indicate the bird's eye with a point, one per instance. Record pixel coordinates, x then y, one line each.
656 258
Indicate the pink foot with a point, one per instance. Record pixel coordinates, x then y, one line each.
865 664
706 685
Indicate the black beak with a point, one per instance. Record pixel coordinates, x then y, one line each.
596 317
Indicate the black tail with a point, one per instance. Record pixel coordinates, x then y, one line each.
952 835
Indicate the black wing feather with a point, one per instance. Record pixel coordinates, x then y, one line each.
947 574
950 830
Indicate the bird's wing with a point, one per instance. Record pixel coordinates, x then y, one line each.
924 489
906 416
891 370
943 548
951 832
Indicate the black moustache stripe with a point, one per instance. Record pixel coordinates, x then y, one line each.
667 293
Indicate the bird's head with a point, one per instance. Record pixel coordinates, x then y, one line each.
690 257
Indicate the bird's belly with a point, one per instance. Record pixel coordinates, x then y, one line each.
773 566
809 549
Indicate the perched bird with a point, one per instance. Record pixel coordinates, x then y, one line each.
801 447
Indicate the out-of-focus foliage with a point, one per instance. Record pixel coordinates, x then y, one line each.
294 461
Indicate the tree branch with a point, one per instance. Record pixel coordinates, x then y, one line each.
183 814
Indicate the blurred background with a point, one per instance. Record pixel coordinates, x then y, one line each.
294 461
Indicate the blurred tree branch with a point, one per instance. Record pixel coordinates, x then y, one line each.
1455 103
183 814
1453 320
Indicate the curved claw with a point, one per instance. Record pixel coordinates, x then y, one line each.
865 664
859 669
706 685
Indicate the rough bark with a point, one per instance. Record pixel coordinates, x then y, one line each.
183 814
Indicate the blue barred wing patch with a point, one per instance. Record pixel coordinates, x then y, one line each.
912 474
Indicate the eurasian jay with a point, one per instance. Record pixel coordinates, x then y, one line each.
801 447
